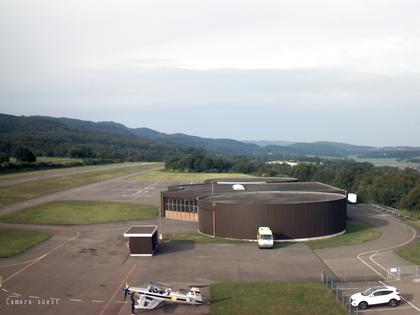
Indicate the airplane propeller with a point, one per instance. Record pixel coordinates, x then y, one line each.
126 291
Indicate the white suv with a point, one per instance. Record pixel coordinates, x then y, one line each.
376 295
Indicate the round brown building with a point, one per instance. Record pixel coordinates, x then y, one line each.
291 215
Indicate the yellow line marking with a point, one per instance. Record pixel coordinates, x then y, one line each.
118 289
41 257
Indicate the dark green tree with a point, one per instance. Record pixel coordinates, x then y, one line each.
4 158
23 154
411 200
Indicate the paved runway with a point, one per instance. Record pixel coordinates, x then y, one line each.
82 269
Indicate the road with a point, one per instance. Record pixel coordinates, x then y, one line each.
81 269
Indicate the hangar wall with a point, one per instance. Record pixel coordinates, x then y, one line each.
287 221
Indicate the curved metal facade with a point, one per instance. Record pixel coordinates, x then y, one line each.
287 221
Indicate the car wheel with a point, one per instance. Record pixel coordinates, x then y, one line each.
393 303
362 305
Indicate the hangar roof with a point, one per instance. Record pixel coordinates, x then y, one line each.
197 190
252 180
272 197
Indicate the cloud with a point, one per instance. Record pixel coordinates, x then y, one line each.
291 61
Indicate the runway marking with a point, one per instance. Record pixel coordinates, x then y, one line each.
76 300
378 251
117 290
4 290
97 301
143 191
34 297
415 307
41 257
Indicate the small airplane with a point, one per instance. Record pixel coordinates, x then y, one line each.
155 293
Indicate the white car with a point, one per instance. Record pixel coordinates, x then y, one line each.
376 295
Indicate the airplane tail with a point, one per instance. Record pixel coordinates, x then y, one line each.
195 295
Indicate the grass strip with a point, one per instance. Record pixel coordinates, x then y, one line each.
411 253
273 299
180 176
13 241
357 232
81 212
25 191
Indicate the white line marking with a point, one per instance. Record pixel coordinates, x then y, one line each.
97 301
76 300
415 307
4 290
143 191
378 251
385 309
121 302
34 297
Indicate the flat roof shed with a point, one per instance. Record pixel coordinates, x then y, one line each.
143 239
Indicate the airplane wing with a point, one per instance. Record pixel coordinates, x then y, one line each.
147 303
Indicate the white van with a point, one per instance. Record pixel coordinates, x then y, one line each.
265 237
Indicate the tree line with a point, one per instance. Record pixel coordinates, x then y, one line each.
383 185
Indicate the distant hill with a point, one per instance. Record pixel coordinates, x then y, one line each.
217 146
329 148
264 143
62 136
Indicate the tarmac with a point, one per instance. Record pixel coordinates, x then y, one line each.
82 269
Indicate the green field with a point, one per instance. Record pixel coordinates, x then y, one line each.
199 238
179 176
19 192
387 162
81 212
57 160
411 252
13 242
356 232
66 164
273 299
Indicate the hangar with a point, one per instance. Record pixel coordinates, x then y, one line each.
235 208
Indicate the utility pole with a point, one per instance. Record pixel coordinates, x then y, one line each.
160 224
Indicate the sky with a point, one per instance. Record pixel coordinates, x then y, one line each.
296 70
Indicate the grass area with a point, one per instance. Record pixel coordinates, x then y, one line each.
199 238
180 176
414 223
13 242
411 252
387 162
273 299
357 232
414 217
19 192
57 160
81 212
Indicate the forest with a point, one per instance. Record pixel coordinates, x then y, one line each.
387 186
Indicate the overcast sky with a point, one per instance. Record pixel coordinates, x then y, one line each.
299 70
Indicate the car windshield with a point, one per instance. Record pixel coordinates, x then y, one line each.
369 291
266 237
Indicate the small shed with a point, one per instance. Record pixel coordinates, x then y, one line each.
143 239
